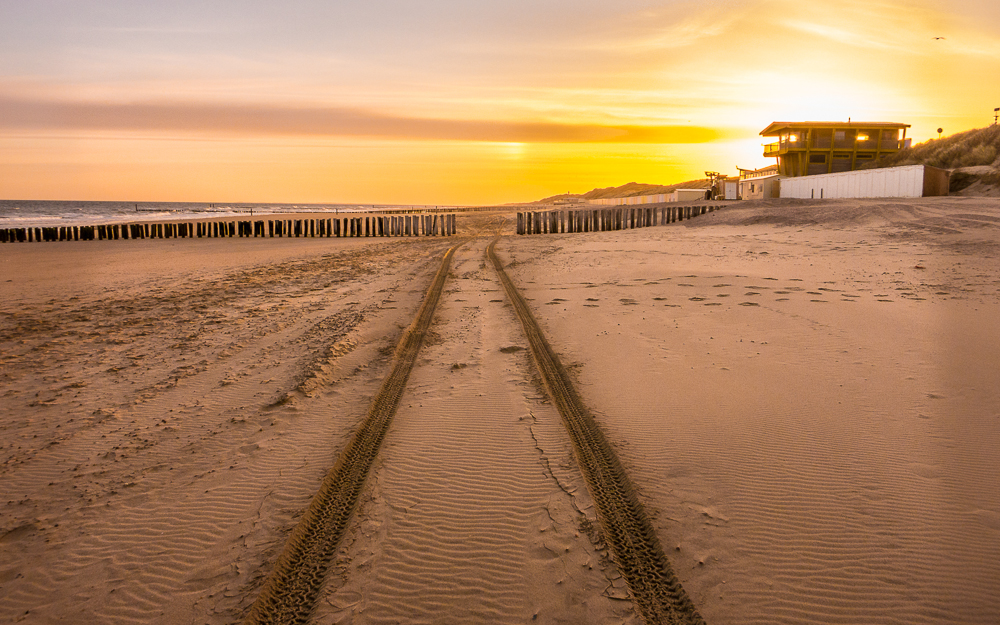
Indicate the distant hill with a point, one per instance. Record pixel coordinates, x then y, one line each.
973 156
630 189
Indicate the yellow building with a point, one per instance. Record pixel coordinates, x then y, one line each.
810 148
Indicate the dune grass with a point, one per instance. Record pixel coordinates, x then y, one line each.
980 146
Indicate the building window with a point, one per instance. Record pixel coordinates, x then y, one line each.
843 139
868 139
822 139
817 164
841 162
890 139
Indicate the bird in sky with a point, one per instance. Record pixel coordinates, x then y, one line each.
938 38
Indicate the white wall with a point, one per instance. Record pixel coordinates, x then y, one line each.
679 195
687 195
635 199
889 182
762 188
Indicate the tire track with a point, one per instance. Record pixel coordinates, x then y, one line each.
289 593
655 589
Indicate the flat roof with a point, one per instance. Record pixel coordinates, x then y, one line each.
773 168
776 127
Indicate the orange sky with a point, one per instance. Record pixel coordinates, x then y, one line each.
452 102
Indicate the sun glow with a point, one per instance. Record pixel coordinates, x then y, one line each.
325 111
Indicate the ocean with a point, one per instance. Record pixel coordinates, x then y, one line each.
40 213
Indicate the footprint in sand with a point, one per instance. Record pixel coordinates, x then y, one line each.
628 302
749 304
697 299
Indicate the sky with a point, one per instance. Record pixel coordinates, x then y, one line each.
453 102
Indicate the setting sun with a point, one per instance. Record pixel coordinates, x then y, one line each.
454 103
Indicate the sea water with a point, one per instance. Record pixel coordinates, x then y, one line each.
40 213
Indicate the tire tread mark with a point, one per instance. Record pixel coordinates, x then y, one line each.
289 593
655 589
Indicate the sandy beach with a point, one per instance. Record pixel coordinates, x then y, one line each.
805 395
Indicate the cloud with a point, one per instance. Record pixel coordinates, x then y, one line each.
53 115
904 27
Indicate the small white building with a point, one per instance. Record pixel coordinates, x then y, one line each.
687 195
760 184
907 181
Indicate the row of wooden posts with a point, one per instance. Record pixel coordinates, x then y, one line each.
371 226
603 219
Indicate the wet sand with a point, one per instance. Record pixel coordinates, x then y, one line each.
804 394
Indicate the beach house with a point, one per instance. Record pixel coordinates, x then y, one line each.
811 148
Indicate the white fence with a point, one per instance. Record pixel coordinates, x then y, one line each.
905 181
678 195
635 199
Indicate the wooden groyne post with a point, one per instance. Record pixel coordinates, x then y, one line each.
368 226
603 220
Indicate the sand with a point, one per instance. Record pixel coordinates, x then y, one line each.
804 393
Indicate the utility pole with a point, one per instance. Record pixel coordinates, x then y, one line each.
996 115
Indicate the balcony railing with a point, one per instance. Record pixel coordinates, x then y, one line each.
772 149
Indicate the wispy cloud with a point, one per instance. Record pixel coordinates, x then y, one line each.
904 27
47 115
854 37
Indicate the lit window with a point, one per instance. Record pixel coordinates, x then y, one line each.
862 137
793 138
